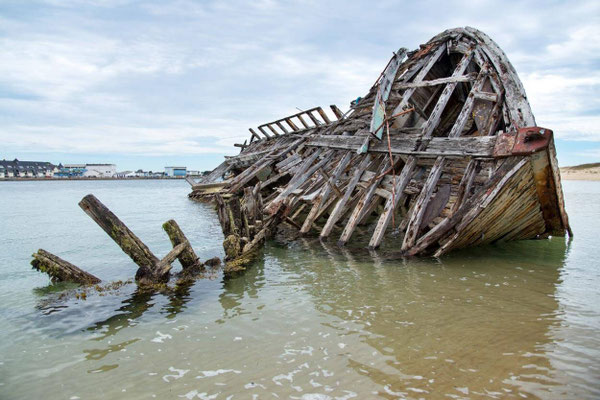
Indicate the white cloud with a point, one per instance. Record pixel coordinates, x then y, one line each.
188 77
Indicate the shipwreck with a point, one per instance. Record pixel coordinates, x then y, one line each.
442 153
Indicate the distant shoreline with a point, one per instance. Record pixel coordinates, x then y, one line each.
87 179
583 172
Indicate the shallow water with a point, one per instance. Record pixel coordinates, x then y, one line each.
308 321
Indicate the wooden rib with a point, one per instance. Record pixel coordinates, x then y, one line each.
268 159
325 191
272 130
364 202
303 121
291 124
262 130
464 187
406 174
338 113
254 134
312 118
280 125
421 203
390 204
470 208
301 176
433 58
323 115
340 205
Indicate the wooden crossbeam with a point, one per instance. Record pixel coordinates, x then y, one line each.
414 225
436 82
431 60
450 147
406 174
255 135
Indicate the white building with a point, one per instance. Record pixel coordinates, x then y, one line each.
125 174
176 172
100 170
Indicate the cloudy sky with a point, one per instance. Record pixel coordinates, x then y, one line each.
148 83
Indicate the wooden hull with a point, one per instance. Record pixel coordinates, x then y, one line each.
436 153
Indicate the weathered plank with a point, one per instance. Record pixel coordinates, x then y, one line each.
339 207
325 191
187 257
60 270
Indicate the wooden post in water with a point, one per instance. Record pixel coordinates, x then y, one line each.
187 257
60 270
151 268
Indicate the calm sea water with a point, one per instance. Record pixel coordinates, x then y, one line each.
308 321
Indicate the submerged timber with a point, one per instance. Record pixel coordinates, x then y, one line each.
442 153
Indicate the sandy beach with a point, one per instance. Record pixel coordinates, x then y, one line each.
586 172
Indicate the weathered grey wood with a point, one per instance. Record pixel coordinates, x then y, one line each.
302 121
364 203
436 205
406 174
312 118
306 170
325 191
471 207
187 257
438 146
274 155
338 113
164 266
422 201
60 270
323 115
262 130
390 204
291 124
464 187
431 60
280 125
118 231
255 135
435 82
383 92
272 129
339 208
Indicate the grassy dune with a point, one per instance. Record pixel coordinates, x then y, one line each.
585 172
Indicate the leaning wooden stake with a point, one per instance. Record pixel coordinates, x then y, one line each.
187 257
151 269
60 270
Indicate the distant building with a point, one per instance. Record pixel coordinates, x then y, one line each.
26 169
100 170
194 173
125 174
176 172
71 171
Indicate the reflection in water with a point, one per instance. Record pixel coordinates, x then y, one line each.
478 319
236 289
312 321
